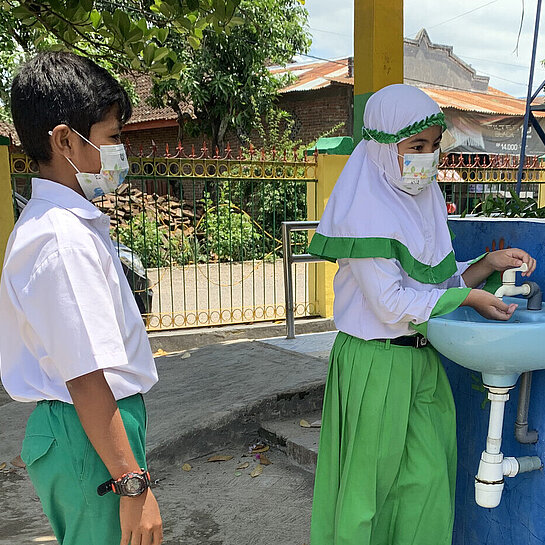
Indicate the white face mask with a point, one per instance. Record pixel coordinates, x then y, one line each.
114 167
419 172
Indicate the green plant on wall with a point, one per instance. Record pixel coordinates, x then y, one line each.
514 207
275 201
156 245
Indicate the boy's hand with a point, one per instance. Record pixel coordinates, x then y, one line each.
501 260
140 520
489 305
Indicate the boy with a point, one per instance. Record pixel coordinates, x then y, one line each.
72 336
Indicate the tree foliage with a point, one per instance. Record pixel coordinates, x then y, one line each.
129 34
227 80
212 54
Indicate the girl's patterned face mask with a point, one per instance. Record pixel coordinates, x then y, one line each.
419 171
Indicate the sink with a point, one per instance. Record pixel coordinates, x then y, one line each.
501 351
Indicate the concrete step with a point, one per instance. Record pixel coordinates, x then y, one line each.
299 443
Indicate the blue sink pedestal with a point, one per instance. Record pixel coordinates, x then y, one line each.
520 517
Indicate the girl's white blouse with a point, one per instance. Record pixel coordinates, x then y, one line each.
375 299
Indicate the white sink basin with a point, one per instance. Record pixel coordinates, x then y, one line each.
501 351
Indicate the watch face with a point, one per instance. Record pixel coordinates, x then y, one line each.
135 485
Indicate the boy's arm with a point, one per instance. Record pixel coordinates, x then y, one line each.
101 420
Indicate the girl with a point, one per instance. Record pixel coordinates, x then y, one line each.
387 458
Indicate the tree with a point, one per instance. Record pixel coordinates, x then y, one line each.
227 80
213 54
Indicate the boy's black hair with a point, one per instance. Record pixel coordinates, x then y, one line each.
60 87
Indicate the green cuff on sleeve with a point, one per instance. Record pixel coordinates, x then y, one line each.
473 261
449 301
493 282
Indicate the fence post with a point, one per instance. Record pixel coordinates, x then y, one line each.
7 218
541 192
321 274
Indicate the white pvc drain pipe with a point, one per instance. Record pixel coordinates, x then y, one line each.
493 467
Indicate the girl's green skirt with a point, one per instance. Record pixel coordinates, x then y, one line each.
387 459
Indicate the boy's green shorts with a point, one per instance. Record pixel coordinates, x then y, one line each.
66 470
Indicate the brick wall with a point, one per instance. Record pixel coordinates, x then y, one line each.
316 112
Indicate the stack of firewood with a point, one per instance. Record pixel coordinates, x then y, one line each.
164 210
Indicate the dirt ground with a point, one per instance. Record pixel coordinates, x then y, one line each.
211 504
225 293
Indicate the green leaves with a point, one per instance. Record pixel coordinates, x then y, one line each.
131 37
148 54
515 207
212 54
193 5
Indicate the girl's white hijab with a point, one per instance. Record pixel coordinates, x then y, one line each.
365 204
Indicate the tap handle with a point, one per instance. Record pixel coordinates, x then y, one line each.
509 275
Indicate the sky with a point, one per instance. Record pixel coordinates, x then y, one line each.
482 32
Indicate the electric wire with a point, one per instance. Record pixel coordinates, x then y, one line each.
458 16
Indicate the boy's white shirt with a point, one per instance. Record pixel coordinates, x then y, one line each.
66 308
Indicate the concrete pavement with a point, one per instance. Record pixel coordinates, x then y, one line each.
208 400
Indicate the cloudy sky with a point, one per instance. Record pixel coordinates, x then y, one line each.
482 32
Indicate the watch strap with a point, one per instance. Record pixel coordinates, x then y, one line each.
105 487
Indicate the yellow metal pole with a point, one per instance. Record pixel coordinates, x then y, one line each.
321 274
7 218
378 51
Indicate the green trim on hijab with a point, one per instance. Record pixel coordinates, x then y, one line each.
333 248
411 130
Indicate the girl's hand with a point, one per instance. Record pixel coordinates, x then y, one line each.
489 305
501 260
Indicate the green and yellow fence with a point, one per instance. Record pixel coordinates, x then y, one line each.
207 230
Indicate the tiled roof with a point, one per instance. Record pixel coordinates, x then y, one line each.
317 75
7 129
143 112
320 74
492 102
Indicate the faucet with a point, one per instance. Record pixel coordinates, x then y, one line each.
508 283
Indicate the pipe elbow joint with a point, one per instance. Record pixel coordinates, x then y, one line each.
535 297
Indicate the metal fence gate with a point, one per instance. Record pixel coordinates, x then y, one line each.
202 233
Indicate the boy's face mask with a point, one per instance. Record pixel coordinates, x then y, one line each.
419 171
114 167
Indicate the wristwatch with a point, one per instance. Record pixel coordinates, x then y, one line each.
130 484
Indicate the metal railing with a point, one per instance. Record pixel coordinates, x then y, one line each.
289 260
206 229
